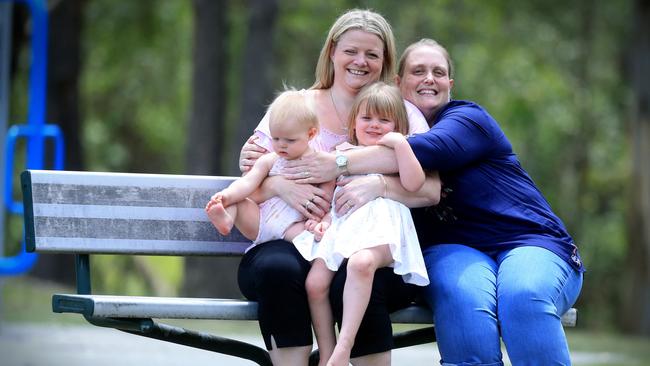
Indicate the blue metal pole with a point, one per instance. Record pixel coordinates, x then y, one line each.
35 131
37 83
5 60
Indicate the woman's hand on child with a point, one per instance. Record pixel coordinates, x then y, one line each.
311 201
249 154
356 192
316 167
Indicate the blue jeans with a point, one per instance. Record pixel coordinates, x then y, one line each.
519 294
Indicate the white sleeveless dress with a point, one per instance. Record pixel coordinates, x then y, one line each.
379 222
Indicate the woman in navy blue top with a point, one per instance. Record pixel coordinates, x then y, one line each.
501 263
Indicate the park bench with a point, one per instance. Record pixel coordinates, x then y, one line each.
88 213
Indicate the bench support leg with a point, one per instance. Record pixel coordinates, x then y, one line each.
209 342
83 273
414 337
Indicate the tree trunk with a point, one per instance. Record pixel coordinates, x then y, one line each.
19 37
257 69
636 311
575 175
206 137
206 127
64 65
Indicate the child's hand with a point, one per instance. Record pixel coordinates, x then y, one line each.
320 229
392 139
310 225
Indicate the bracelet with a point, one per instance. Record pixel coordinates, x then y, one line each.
381 176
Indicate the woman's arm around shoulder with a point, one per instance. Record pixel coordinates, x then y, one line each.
427 195
357 191
256 145
410 172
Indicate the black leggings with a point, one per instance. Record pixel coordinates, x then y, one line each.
274 274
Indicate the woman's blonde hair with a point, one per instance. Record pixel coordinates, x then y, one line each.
365 20
293 104
427 42
383 100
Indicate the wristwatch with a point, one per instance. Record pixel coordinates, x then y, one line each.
342 163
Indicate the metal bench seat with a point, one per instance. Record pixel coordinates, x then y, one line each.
109 306
87 213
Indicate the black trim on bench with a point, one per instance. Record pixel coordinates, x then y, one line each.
28 212
66 304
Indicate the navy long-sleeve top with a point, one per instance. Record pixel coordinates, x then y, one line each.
492 204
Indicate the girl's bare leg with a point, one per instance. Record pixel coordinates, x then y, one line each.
356 295
318 286
289 356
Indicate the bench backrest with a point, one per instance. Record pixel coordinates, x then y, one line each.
108 213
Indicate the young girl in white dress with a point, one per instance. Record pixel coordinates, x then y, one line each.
378 234
293 124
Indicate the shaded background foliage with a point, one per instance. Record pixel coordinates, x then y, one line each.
553 73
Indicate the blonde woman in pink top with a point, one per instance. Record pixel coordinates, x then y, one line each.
358 51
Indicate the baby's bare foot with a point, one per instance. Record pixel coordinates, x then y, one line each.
220 218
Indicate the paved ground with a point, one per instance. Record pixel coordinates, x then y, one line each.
54 345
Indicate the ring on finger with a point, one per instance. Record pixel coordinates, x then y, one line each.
305 174
313 199
306 204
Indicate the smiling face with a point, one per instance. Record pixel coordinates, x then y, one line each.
370 126
357 59
425 80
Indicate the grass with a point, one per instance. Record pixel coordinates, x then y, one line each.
26 300
29 301
611 348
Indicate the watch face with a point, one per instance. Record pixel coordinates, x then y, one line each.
341 161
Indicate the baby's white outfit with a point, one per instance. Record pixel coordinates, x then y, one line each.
379 222
275 214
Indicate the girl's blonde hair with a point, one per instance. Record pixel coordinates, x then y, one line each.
293 104
427 42
365 20
383 100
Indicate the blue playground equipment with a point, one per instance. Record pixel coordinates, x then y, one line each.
35 132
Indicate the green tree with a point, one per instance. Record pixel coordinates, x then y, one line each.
63 100
206 130
636 311
257 67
